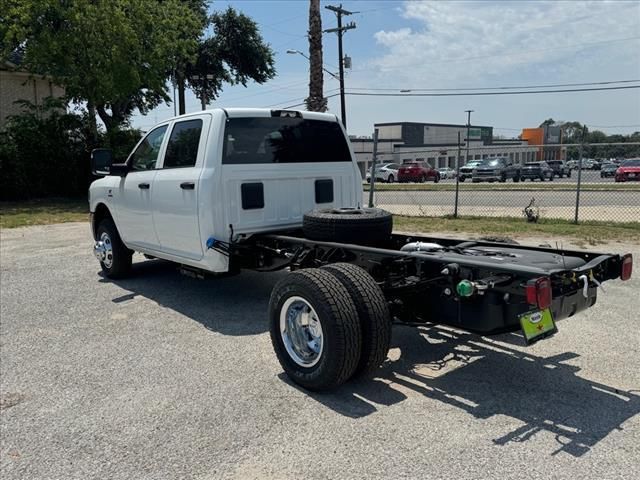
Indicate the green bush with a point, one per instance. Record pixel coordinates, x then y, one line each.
45 152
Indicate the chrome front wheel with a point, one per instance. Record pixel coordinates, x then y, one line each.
103 250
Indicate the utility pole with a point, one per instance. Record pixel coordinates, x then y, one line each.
339 11
469 112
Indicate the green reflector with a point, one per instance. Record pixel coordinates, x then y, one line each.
465 288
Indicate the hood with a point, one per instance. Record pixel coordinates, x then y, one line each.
629 169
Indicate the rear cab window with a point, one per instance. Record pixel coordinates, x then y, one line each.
182 148
260 140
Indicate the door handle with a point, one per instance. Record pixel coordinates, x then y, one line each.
187 185
143 186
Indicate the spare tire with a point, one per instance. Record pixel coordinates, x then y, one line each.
364 226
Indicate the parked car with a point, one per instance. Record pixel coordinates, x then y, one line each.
385 172
496 170
282 192
560 168
466 171
447 172
418 172
590 164
629 170
608 170
537 170
572 164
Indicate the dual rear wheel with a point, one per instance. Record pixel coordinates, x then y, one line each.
328 325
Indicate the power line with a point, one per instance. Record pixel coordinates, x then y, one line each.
608 82
297 99
471 94
300 104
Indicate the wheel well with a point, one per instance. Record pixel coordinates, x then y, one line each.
100 214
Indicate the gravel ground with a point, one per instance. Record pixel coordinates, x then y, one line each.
163 376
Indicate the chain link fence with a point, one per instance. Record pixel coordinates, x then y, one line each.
596 189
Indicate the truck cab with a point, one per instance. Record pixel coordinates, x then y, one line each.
222 173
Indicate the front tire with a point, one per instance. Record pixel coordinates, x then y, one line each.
373 314
116 257
314 329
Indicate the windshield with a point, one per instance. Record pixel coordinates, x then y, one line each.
635 162
473 163
532 164
251 140
492 162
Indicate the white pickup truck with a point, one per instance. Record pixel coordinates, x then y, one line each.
231 189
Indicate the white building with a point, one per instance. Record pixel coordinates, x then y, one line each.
437 144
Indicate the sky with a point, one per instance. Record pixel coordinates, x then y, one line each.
409 45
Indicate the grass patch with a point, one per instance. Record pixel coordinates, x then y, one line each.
521 186
43 212
588 232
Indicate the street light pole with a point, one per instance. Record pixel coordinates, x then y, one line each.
298 52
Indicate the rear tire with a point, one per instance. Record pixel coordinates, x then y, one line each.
325 353
390 179
373 313
117 259
462 179
436 178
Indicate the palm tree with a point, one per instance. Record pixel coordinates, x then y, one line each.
315 101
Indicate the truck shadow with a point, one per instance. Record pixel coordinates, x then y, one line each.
232 305
486 378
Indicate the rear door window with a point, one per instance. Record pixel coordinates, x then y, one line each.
283 140
182 149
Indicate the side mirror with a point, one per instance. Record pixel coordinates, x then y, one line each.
101 160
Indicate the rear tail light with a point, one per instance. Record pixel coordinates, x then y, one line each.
539 292
627 267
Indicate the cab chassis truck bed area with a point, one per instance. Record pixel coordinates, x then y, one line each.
479 286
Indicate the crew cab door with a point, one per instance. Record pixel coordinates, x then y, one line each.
133 196
176 190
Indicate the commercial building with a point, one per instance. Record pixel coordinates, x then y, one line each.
437 144
549 137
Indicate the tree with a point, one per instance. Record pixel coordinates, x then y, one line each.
548 122
113 55
316 102
234 54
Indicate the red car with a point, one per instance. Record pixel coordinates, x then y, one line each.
628 171
417 172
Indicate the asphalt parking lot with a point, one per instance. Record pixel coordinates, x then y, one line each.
164 376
